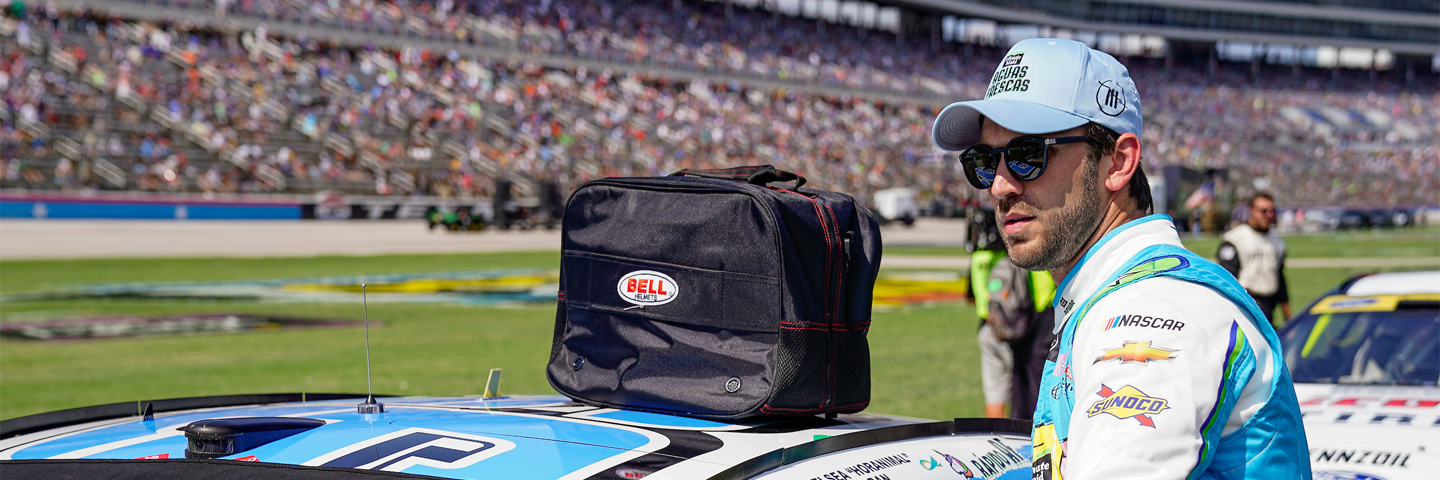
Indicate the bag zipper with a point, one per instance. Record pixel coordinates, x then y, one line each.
838 268
836 264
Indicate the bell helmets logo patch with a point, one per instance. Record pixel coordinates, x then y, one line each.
647 288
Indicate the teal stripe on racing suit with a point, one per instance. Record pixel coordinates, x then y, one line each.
1271 444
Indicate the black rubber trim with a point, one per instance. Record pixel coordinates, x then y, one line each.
74 416
825 446
996 425
183 469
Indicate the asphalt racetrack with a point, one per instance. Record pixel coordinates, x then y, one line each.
78 239
72 239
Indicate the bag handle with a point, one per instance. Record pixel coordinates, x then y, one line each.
754 174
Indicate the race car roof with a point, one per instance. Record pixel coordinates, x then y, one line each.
1397 283
551 436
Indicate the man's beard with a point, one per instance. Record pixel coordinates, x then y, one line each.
1067 228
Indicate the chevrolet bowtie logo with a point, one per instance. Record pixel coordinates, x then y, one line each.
1140 352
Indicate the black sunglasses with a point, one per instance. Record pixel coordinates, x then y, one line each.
1026 158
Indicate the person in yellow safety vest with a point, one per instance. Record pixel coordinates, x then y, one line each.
983 261
1017 319
996 360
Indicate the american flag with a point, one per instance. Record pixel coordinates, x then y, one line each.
1202 195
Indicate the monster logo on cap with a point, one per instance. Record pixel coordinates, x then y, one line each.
1110 98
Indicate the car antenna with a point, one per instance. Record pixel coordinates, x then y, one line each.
369 405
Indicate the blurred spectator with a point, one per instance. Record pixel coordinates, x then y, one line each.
1255 255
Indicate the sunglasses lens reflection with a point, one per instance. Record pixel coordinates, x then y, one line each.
1026 158
979 167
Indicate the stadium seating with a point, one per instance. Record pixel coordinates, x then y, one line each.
185 108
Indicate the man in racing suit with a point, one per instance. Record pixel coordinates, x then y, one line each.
1163 367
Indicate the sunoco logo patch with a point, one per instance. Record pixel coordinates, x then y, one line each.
647 288
1128 402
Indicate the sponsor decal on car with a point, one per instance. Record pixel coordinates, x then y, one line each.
996 462
1358 302
1143 321
1374 419
862 469
1327 475
162 456
1360 457
1128 402
1137 352
1373 401
989 465
415 446
956 464
631 473
1371 303
647 288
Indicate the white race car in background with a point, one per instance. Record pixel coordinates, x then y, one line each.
1366 361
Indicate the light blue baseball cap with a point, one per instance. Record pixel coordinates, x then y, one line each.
1046 85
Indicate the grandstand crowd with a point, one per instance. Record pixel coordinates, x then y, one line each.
92 100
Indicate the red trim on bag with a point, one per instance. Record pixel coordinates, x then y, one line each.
839 286
857 324
837 329
829 299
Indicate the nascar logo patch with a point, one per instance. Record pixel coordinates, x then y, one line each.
1128 402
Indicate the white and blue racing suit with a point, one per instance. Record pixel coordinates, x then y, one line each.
1162 371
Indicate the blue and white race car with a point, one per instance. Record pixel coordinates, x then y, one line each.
542 437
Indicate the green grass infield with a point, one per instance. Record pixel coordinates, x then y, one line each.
925 360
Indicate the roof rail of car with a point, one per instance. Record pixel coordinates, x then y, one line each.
1349 282
786 456
74 416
